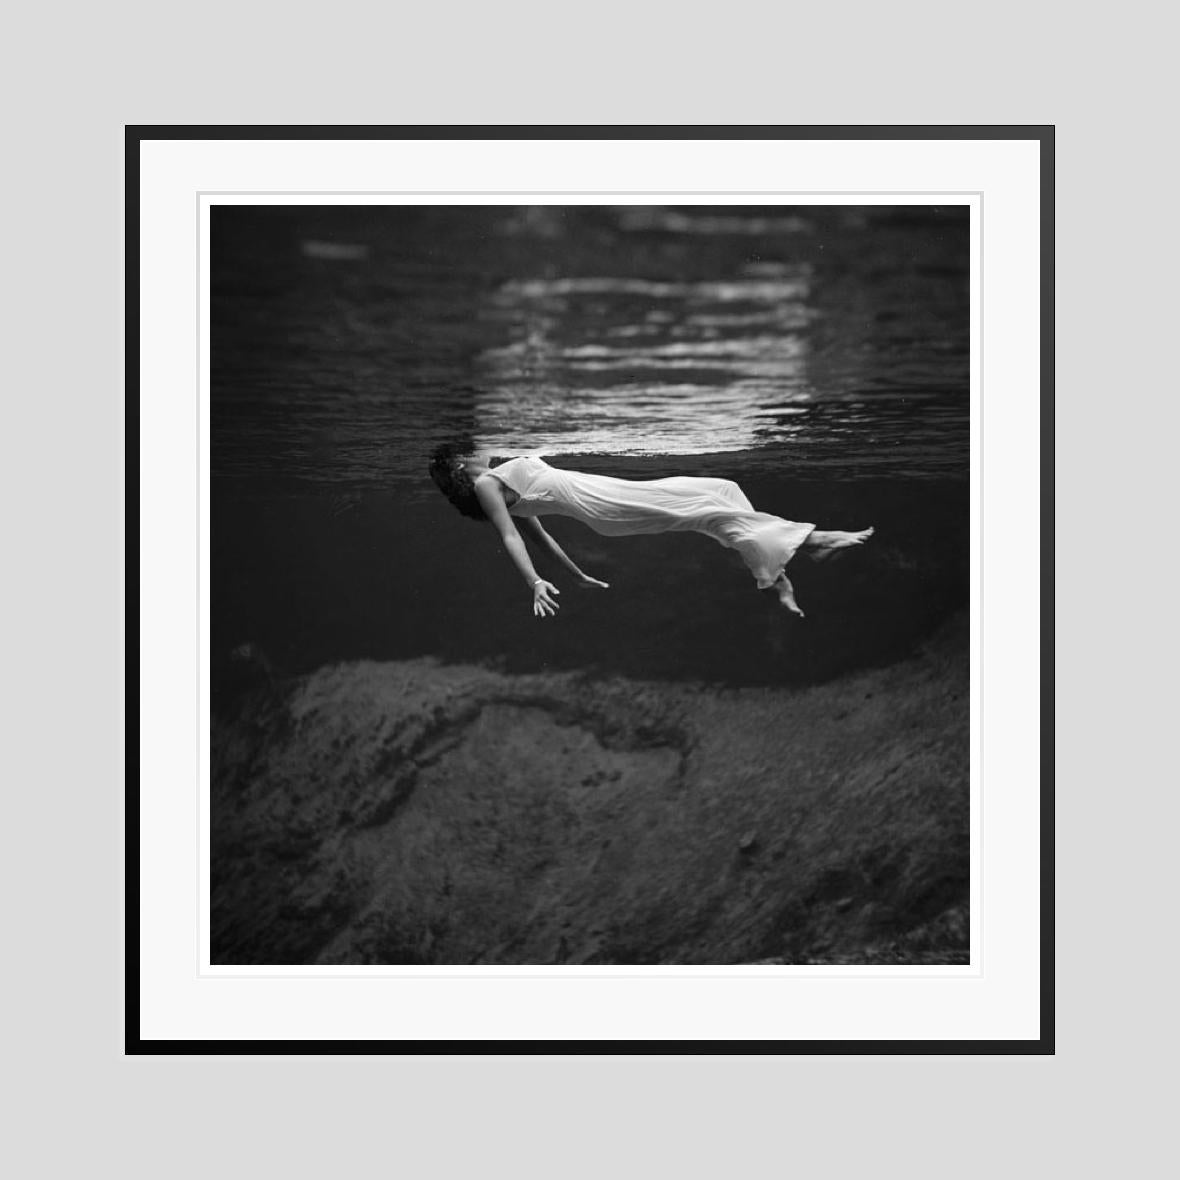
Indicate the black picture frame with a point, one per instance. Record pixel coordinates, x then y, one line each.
1043 137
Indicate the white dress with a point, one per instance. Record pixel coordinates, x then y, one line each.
682 503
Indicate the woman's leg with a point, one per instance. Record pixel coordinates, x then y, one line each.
786 594
821 544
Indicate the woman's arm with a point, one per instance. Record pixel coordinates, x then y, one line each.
491 499
543 539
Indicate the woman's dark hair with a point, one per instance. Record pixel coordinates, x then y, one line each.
447 472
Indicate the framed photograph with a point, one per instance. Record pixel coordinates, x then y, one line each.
583 630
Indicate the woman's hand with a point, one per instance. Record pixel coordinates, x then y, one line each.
543 603
588 581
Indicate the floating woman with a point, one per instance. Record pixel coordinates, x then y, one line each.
526 488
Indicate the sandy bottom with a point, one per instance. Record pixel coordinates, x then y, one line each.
420 813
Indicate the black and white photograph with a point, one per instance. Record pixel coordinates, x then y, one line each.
590 585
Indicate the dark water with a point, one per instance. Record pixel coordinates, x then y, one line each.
817 355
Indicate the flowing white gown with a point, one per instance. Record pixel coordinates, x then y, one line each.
682 503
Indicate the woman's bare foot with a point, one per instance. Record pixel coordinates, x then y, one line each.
786 595
821 545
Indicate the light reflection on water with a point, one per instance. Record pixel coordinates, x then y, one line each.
829 342
635 420
568 382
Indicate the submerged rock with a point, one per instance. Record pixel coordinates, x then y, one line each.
421 813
